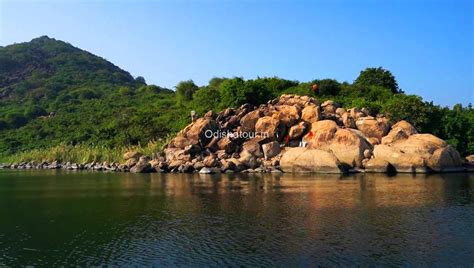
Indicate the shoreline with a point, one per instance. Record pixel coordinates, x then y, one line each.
115 167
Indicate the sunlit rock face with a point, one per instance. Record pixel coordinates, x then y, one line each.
311 137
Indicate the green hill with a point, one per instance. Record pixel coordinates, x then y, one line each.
53 94
44 68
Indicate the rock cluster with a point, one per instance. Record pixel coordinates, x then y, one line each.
299 134
292 134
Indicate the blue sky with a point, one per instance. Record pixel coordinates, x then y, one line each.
426 44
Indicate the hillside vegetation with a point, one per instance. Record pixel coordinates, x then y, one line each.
53 94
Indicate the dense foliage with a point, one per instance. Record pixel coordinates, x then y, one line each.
53 94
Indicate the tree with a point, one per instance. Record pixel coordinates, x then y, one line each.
457 127
153 89
231 92
377 77
256 92
185 90
328 87
236 91
140 80
275 85
86 94
216 82
410 108
206 99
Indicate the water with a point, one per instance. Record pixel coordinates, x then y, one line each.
52 218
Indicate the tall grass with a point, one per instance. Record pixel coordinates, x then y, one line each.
84 153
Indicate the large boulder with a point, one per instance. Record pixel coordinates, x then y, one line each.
253 146
271 149
231 123
349 147
373 128
248 159
238 165
348 121
311 114
304 160
402 162
346 144
247 123
376 165
329 107
269 126
174 164
227 144
288 115
142 166
421 144
298 130
132 154
400 131
211 161
356 113
420 153
321 133
470 159
200 132
445 159
181 142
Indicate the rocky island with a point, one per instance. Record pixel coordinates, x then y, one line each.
291 134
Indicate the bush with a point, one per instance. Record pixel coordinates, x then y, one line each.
185 90
34 111
303 89
231 92
125 91
15 119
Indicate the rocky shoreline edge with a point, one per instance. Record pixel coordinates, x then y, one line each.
148 168
290 134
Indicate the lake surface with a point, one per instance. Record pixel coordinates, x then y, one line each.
52 218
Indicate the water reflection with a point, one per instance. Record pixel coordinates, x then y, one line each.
59 218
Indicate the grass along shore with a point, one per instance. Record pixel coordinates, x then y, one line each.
82 154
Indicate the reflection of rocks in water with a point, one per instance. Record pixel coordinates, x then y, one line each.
324 191
459 190
238 219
